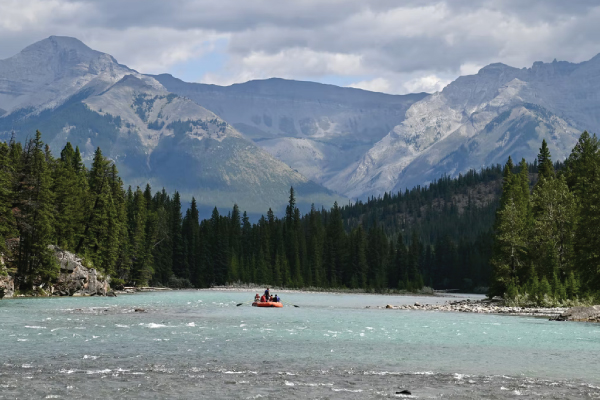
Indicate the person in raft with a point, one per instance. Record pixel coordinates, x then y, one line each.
267 294
263 298
257 297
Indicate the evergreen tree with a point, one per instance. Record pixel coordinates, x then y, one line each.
7 223
545 166
512 230
36 215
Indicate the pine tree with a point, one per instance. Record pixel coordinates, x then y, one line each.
512 230
555 214
545 166
137 240
583 177
36 221
70 192
7 222
581 165
97 240
587 238
179 263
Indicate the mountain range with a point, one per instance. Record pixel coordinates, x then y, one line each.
73 93
248 143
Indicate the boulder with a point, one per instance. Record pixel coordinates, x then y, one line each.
75 279
7 286
580 314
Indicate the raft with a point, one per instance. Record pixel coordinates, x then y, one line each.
266 304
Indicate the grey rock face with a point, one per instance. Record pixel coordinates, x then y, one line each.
77 280
7 286
480 120
317 129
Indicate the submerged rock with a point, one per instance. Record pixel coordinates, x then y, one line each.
580 314
407 392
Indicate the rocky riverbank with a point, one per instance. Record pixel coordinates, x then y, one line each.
482 307
74 279
580 314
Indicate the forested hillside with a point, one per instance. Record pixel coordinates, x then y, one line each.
547 244
437 236
441 236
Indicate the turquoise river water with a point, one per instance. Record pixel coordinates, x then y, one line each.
198 344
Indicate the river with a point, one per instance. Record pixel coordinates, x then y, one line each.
198 344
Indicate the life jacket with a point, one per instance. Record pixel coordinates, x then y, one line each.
263 299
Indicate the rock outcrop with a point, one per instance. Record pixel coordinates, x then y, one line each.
580 314
75 279
7 286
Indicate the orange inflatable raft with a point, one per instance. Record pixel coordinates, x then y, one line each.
266 304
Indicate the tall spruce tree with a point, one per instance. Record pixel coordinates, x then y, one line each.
36 216
545 166
7 222
512 226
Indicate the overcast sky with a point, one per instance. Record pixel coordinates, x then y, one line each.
390 46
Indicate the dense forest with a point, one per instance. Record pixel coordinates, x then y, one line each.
547 240
447 235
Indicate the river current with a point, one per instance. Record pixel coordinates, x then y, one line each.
198 344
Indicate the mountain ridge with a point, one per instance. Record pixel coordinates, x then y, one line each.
154 136
317 129
450 132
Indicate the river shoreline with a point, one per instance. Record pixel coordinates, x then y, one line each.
483 307
427 292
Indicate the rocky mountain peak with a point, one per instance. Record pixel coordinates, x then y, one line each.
54 58
57 44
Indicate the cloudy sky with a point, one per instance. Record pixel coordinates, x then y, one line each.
391 46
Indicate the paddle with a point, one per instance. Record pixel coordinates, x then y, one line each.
237 305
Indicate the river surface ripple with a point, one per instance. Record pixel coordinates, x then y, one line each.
198 344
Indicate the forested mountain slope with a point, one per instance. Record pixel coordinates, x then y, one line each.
73 93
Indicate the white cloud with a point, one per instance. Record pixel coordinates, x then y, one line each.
470 69
153 50
389 45
374 85
289 63
429 84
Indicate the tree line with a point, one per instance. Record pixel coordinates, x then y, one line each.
397 241
547 229
530 231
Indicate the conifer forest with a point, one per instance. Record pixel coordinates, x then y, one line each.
528 231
